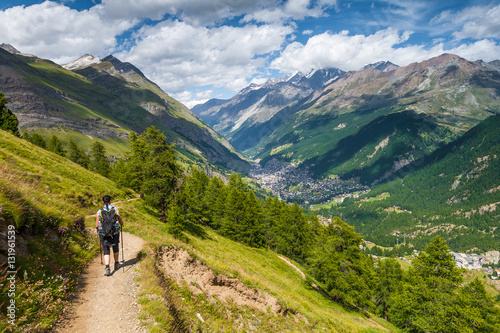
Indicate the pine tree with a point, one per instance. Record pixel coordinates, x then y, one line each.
390 276
36 139
338 263
160 171
77 155
99 160
430 294
214 201
55 146
194 189
137 158
175 221
8 120
249 230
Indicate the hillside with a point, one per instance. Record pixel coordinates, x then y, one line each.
46 198
453 192
354 126
105 100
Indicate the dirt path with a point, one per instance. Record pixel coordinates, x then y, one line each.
292 265
106 302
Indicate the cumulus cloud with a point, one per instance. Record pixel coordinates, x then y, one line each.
486 25
178 55
352 52
54 31
290 10
473 22
194 12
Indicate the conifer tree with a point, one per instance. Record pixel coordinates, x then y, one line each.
55 146
160 171
77 155
431 298
215 201
390 276
338 263
194 189
137 158
99 160
36 139
8 120
175 221
250 227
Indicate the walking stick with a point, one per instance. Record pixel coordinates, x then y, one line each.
123 255
100 245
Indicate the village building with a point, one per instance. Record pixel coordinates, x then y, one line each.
468 261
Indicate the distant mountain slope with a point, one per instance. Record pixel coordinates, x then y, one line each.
105 99
454 192
454 94
259 103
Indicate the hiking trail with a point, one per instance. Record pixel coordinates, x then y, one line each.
106 302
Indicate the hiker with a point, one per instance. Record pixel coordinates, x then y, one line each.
106 223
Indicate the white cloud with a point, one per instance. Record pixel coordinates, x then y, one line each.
484 49
486 25
177 55
54 31
353 52
337 50
290 10
473 22
194 12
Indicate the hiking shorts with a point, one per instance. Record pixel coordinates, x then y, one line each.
108 242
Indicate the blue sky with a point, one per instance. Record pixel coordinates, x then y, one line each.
201 49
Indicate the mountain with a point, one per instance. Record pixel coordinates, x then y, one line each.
453 192
83 61
105 99
257 104
369 123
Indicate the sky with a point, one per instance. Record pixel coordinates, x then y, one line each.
201 49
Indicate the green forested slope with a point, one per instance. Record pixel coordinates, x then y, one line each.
454 192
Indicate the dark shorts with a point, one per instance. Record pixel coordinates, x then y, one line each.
108 242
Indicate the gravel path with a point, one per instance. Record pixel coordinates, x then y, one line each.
106 302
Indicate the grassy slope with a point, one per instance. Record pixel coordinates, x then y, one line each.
45 197
258 268
43 194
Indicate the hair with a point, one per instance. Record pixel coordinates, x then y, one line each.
106 199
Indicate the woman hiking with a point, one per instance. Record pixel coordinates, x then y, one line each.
107 226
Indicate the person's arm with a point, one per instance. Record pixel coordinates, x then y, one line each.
97 220
119 217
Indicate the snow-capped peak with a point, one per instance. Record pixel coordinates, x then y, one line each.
83 61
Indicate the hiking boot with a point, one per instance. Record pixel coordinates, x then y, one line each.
117 266
107 272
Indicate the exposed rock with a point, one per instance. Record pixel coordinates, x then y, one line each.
184 270
491 257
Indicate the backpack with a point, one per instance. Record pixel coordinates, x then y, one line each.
108 222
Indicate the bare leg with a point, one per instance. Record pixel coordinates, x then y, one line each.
106 259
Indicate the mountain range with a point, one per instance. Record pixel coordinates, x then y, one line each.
362 124
104 99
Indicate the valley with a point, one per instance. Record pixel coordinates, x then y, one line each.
293 184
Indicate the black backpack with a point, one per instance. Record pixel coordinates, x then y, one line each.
108 221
